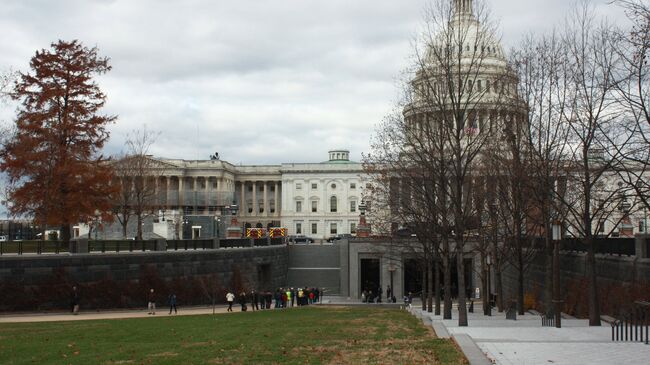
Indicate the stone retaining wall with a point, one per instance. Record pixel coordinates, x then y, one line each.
123 280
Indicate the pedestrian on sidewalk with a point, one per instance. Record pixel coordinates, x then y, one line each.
255 299
152 302
172 303
230 298
242 301
388 293
74 300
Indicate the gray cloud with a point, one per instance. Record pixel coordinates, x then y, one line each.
258 81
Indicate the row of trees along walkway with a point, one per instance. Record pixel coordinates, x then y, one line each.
494 148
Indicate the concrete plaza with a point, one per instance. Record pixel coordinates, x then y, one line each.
496 340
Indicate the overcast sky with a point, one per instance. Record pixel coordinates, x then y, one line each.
258 81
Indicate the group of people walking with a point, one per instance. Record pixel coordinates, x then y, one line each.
280 298
368 296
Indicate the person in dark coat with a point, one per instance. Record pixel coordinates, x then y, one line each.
242 301
172 303
74 301
255 299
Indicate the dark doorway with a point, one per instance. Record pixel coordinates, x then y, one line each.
370 274
413 277
264 277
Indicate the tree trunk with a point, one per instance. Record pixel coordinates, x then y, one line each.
65 233
125 224
139 229
594 306
499 284
436 283
447 278
520 276
429 286
423 294
548 274
462 307
484 285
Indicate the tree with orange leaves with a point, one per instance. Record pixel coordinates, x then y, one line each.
57 174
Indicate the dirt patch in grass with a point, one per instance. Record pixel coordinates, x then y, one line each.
163 354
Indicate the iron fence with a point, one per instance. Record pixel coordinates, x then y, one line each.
633 326
107 246
32 247
608 246
235 242
548 319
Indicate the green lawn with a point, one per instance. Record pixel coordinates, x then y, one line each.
297 336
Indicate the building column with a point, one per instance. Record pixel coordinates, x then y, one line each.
275 198
206 198
167 192
242 199
266 200
181 194
254 197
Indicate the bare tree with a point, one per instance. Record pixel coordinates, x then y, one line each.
212 289
540 64
433 149
136 175
593 135
633 94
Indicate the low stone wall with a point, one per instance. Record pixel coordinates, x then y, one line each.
123 280
621 280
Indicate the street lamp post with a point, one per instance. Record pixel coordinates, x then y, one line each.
557 237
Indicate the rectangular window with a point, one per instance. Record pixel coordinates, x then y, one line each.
353 185
641 226
314 206
332 228
314 228
298 206
353 228
353 206
314 186
298 186
298 228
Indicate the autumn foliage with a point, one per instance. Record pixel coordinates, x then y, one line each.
55 168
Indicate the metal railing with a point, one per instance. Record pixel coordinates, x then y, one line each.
37 247
633 326
121 246
184 245
608 246
117 246
548 319
235 242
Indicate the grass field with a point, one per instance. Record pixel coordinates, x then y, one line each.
297 336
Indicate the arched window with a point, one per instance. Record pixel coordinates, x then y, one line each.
333 204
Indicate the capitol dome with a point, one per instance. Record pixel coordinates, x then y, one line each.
464 66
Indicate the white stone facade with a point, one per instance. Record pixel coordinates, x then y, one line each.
266 195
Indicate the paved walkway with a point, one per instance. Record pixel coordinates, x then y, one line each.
526 342
140 313
88 315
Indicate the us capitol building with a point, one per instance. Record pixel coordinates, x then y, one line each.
193 198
